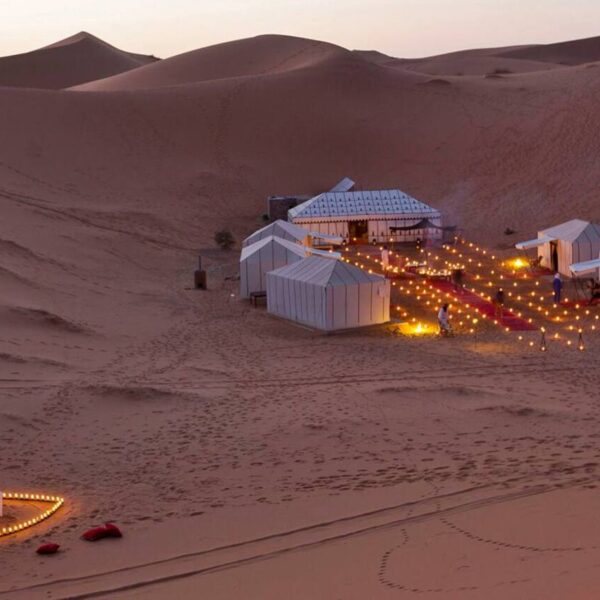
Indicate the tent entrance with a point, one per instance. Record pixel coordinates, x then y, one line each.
358 231
554 256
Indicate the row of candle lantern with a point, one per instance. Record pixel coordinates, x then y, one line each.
436 296
542 310
55 501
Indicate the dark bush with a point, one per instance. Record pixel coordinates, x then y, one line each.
224 239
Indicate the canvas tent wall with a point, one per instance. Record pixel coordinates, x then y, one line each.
368 216
263 256
328 295
561 246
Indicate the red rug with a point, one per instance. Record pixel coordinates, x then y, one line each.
485 307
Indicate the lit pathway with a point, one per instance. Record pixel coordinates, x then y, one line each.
484 307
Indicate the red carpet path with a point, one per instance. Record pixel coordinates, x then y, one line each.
485 307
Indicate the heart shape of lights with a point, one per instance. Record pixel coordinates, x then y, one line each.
55 503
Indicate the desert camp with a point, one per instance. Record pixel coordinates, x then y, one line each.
299 301
377 216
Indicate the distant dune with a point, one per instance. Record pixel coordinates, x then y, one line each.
575 52
74 60
466 62
265 54
277 114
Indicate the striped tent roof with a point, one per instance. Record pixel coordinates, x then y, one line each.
575 230
281 229
360 204
326 272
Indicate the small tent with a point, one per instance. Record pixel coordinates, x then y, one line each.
561 246
263 256
328 294
267 254
283 230
294 233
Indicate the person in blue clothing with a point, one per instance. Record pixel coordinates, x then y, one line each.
557 286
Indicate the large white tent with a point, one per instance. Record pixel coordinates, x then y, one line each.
560 247
288 231
267 254
328 294
367 216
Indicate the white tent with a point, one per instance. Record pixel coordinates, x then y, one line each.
561 246
283 230
263 256
267 254
288 231
380 215
328 294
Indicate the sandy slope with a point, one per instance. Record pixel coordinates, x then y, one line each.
465 63
575 52
516 59
260 55
74 60
197 422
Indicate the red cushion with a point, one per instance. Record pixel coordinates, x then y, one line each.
48 549
95 533
113 531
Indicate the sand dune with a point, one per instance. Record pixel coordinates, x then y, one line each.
575 52
265 54
465 63
74 60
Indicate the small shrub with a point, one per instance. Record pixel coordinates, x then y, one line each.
509 231
224 239
265 218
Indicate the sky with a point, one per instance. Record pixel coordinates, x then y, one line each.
402 28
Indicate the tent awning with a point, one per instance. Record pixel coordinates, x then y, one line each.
422 224
324 253
583 267
534 243
336 240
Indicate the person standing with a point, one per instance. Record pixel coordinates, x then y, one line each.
557 286
443 320
499 303
457 280
385 259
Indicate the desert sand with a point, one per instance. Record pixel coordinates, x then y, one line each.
245 457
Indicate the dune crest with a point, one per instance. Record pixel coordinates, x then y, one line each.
574 52
264 54
72 61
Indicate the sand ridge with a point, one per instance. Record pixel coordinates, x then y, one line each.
72 61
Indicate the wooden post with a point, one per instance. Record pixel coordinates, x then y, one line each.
200 276
200 280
